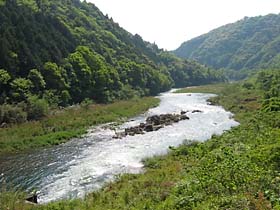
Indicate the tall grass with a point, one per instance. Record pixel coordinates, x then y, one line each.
68 123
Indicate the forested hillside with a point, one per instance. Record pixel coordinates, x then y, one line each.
251 43
65 51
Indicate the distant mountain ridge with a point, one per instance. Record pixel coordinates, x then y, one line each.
250 43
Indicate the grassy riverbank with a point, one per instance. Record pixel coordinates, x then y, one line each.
68 123
238 170
233 97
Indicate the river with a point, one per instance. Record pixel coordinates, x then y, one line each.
82 165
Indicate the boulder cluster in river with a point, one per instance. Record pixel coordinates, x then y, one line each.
153 123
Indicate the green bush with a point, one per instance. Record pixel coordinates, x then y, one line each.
86 103
12 114
51 97
271 105
36 108
248 85
65 98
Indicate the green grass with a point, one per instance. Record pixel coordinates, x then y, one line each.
69 123
215 88
233 97
237 170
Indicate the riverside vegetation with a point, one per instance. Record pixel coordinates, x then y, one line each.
62 125
237 170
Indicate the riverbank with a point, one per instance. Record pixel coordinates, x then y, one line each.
233 97
84 165
69 123
237 170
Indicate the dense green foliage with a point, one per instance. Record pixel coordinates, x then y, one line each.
189 73
237 170
270 83
251 43
62 125
66 51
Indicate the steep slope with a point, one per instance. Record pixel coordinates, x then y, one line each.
65 51
246 44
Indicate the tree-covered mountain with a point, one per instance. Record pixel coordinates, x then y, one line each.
66 51
251 43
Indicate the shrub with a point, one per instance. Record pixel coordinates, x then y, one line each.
36 108
65 98
12 114
51 97
86 103
248 85
271 105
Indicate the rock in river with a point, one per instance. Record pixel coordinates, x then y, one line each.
153 123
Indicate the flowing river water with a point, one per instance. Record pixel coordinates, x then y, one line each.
83 165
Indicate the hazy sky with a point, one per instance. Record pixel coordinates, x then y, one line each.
170 22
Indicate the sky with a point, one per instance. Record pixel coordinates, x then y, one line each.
169 23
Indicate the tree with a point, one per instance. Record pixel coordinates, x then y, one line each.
4 78
53 75
20 89
39 4
37 79
4 82
81 76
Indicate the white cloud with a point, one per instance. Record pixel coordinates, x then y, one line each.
170 22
